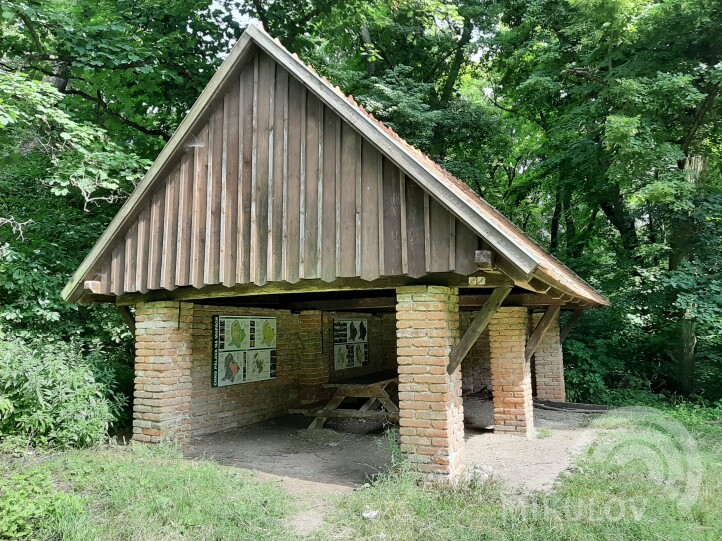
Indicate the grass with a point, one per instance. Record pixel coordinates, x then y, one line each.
628 486
144 493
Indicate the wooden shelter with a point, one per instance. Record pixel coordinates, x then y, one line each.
280 207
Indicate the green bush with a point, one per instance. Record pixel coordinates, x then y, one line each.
51 397
27 501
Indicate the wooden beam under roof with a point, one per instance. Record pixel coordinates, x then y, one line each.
570 324
307 286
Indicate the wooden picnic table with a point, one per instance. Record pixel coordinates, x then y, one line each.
372 387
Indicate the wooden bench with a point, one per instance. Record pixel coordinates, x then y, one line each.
373 389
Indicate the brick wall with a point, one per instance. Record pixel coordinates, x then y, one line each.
476 366
548 363
162 397
510 372
173 394
225 408
432 413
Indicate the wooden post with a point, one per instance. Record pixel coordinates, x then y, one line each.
477 327
533 342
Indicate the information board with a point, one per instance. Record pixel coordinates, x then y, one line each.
244 350
350 343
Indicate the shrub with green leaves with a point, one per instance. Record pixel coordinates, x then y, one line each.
50 396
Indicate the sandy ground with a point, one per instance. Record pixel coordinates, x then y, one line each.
525 464
349 453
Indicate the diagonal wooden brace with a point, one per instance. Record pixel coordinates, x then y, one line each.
458 353
541 329
568 327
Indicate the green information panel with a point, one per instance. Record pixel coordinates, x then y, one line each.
350 343
244 350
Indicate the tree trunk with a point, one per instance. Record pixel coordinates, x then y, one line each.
554 232
618 215
683 330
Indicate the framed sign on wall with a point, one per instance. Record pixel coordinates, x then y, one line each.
244 349
350 343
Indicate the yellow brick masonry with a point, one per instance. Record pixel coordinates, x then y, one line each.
162 398
432 414
549 364
510 372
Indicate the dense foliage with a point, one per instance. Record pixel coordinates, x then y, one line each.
594 124
51 395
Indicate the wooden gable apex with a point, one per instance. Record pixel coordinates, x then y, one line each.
276 176
273 186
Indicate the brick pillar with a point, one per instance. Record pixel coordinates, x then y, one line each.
162 403
432 412
510 372
549 363
314 366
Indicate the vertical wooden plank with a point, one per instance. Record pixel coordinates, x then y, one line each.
369 222
155 245
331 130
427 233
270 192
314 111
249 81
229 187
347 237
131 252
185 219
253 231
439 237
277 175
320 195
198 225
452 242
263 134
466 245
337 221
211 262
141 266
106 275
392 218
302 189
170 231
292 195
415 229
357 207
284 204
117 269
380 211
404 235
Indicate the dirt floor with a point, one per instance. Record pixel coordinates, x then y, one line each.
349 453
346 454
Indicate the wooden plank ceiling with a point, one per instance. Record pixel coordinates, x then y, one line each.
275 187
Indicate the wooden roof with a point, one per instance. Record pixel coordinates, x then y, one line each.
275 176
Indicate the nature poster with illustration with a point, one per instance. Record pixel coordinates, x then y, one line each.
244 350
350 343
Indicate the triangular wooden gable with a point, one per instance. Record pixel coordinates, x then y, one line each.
273 187
274 175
